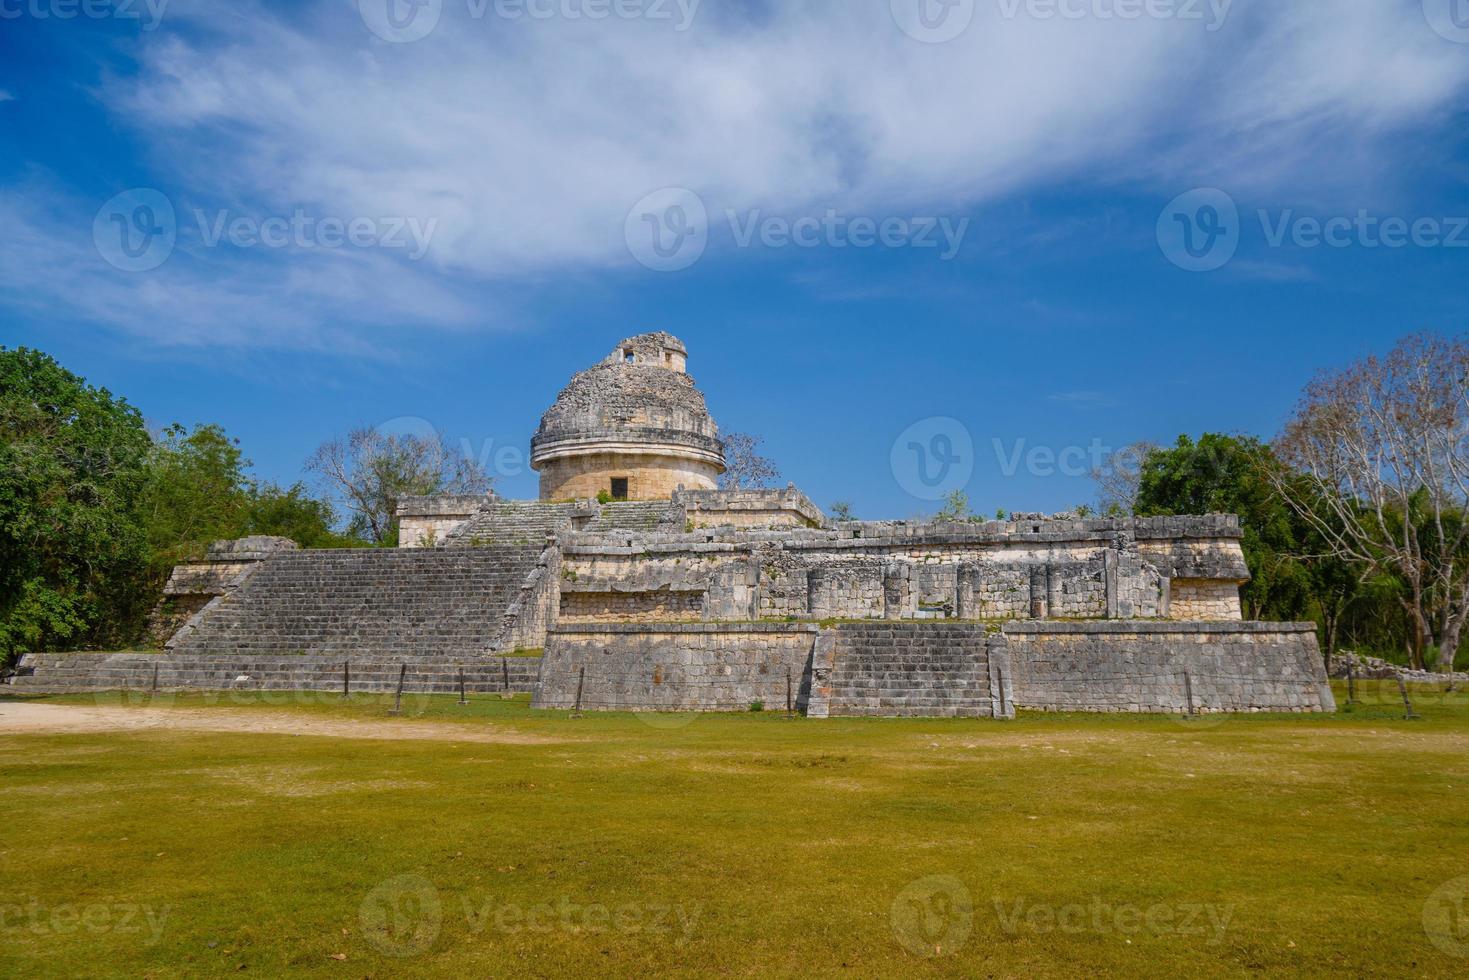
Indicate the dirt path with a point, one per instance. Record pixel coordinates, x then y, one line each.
59 719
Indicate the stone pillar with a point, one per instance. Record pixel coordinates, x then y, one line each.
896 590
1111 561
1040 592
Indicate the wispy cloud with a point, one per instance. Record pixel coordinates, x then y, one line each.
6 96
528 141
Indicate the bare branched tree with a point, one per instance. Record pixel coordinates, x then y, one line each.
1118 477
370 471
745 468
1383 447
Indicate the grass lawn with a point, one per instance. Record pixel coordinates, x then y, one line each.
743 845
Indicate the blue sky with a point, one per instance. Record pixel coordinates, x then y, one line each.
502 170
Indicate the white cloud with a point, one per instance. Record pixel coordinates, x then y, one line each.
6 96
529 140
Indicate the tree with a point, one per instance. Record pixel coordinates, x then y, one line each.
1231 474
956 508
1117 479
1383 446
292 512
745 468
371 471
73 466
196 493
841 511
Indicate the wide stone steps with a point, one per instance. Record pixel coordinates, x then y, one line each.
414 602
912 669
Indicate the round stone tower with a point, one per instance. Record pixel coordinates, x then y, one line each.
634 426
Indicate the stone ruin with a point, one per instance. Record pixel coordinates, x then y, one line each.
635 584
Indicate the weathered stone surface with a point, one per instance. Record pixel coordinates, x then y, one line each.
1154 667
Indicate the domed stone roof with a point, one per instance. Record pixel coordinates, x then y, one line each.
638 399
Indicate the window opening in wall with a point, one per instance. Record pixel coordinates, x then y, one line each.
619 488
628 356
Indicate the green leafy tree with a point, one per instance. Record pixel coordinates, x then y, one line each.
1227 474
291 512
73 471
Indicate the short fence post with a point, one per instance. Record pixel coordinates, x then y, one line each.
346 679
462 698
790 705
581 679
1351 684
505 675
1407 705
155 678
398 701
1188 692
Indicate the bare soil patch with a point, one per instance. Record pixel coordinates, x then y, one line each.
63 719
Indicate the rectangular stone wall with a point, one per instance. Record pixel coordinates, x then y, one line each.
1157 667
631 607
695 667
1204 600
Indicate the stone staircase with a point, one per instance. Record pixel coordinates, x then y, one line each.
631 515
516 523
891 669
376 604
41 673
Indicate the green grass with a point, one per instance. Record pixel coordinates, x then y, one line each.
746 845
